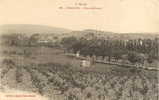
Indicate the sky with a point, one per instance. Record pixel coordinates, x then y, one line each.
113 15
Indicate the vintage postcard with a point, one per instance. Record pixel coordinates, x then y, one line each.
79 49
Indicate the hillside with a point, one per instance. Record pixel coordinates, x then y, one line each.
31 29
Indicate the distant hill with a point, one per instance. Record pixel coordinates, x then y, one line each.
86 32
61 32
113 35
139 35
31 29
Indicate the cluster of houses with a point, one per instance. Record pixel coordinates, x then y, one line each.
87 61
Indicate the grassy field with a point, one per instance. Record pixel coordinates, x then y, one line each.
48 72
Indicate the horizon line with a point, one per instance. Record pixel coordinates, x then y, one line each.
85 29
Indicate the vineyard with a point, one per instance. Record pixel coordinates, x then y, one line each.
67 81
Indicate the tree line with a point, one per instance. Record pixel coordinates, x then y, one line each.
136 50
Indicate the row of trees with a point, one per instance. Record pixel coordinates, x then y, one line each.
135 50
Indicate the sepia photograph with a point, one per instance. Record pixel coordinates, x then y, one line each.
79 50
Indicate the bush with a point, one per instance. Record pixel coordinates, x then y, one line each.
133 57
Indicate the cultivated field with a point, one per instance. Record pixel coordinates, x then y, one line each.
50 73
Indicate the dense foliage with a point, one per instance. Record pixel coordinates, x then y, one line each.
136 50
